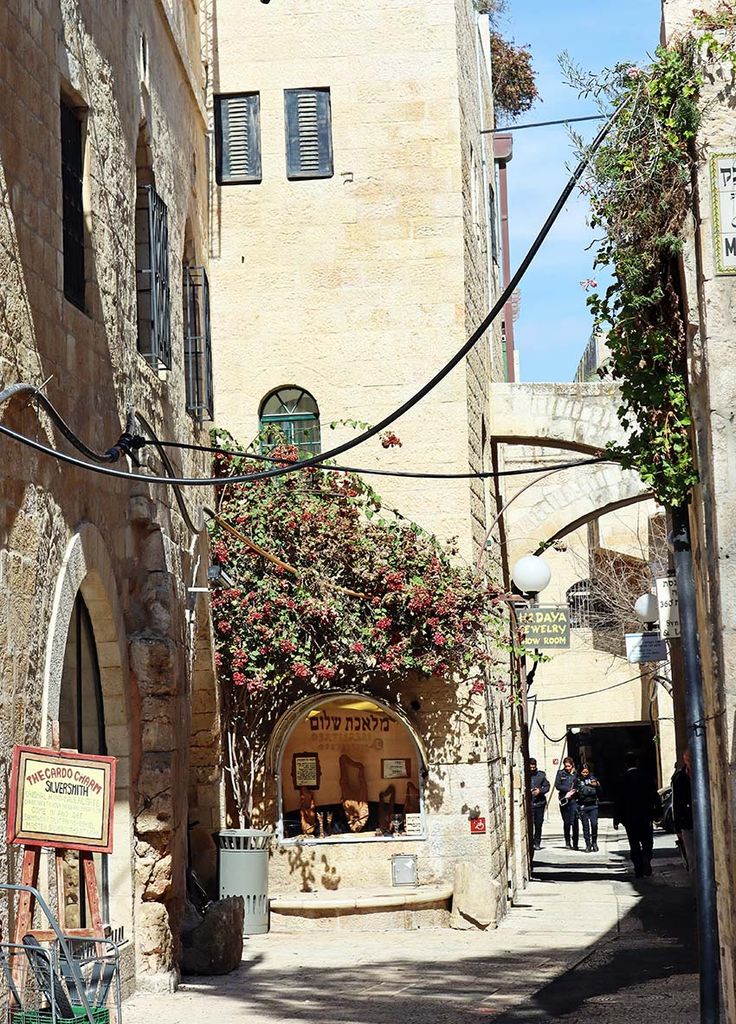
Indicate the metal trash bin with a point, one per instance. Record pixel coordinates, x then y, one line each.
244 872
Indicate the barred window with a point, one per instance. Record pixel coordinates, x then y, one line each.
152 277
308 133
198 344
72 169
238 139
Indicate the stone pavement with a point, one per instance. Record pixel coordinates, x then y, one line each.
584 942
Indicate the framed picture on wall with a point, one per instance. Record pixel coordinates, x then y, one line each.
306 771
395 767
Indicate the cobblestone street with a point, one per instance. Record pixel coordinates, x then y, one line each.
583 943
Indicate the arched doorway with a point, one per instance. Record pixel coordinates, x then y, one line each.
82 728
350 769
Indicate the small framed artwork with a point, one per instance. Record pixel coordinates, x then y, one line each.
395 767
306 771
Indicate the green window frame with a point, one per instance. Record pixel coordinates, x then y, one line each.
290 415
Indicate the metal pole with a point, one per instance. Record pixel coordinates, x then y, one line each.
705 882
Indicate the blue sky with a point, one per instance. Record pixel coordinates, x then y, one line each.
554 322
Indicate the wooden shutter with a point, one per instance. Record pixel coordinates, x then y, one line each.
238 138
308 133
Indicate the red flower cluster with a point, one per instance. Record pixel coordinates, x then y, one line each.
390 440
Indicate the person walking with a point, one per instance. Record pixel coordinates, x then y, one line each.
539 787
565 785
682 810
635 808
587 790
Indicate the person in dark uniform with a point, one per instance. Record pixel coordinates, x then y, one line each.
587 789
682 809
635 809
539 787
565 786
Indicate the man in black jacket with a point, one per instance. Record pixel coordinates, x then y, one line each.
540 788
635 808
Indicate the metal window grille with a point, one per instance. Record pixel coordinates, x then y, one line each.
238 139
198 344
580 602
308 133
152 278
72 208
290 416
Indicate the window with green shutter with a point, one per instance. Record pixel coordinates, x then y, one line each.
238 138
308 133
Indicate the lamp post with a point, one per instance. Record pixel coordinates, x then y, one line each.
531 575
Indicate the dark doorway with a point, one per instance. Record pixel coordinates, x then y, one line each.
603 748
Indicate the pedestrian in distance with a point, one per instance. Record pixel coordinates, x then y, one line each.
565 786
587 789
635 808
682 810
539 784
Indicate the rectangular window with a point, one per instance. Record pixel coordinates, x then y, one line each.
198 344
72 169
238 138
152 277
308 133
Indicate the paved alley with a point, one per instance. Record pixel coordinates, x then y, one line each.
583 943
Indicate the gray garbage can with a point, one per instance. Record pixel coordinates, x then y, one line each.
244 872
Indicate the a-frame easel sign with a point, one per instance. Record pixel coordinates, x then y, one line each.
63 800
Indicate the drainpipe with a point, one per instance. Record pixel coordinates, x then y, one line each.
503 150
705 880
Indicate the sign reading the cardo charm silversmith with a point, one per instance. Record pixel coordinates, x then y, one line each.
546 627
723 210
62 799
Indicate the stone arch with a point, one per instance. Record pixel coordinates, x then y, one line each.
86 568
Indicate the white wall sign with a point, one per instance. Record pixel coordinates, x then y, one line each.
669 607
645 647
723 210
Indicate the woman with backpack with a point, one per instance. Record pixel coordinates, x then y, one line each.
587 789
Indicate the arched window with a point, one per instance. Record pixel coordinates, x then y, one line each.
290 416
82 728
350 769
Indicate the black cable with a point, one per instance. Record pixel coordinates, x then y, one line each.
169 469
541 124
547 735
219 481
477 334
587 693
257 457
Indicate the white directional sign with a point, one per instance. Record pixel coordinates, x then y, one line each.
669 607
645 647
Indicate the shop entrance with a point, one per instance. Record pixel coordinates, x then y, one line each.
350 769
603 748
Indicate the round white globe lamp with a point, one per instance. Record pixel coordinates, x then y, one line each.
531 574
646 608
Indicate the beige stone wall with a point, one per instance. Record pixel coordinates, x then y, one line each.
126 547
713 395
358 287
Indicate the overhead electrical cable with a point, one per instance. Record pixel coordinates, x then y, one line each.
387 421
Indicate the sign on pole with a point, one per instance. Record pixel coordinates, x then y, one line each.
669 607
62 799
546 627
645 647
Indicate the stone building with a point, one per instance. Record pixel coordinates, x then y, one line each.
353 251
708 280
103 249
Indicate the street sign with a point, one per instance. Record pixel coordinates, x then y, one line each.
723 210
478 826
645 647
546 627
669 607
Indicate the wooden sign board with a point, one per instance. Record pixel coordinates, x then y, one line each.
546 627
62 799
